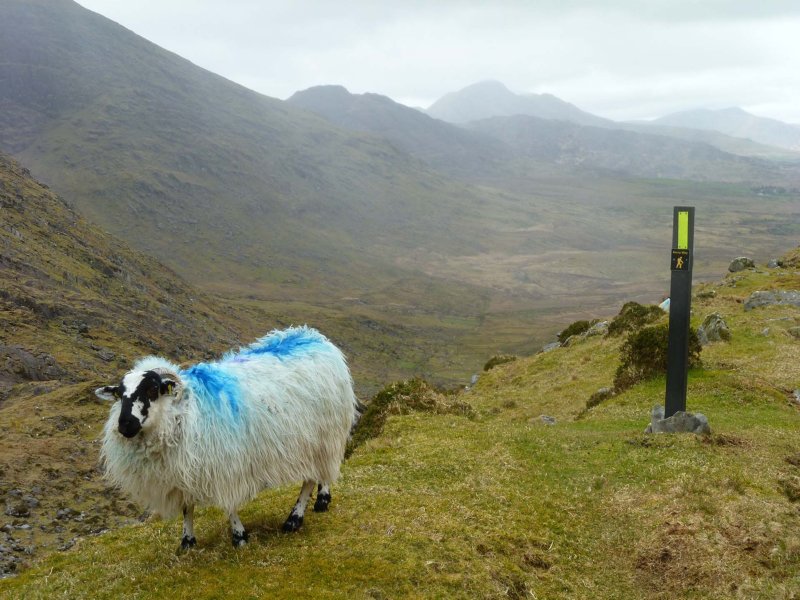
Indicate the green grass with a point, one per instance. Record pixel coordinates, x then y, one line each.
502 505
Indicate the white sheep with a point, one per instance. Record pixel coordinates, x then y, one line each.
275 412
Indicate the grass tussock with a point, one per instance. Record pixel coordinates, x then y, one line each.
402 398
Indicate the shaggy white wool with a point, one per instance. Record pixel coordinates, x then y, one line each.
276 412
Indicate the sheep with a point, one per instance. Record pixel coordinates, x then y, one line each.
217 433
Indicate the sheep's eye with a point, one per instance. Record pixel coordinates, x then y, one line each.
152 394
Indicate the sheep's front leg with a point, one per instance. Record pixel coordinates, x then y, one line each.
188 540
240 536
323 498
295 520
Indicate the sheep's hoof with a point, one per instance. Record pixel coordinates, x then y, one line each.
293 523
240 539
321 505
186 544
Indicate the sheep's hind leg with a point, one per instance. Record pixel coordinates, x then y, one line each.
239 535
323 498
188 540
295 520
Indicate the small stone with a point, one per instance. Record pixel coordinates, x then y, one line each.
773 264
547 420
765 332
794 332
18 509
740 264
31 501
65 513
551 346
106 355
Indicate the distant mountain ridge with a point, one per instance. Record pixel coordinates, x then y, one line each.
738 123
488 147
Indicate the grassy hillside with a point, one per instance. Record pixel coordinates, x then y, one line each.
499 504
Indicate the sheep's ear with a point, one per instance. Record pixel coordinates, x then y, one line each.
109 393
168 387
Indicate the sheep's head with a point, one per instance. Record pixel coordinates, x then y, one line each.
143 395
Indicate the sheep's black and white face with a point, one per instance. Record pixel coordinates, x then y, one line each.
139 393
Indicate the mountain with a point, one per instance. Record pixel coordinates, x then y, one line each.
443 145
209 172
492 99
737 123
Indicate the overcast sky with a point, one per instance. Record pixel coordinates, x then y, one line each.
621 59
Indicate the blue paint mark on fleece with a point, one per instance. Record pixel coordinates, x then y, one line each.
289 343
215 390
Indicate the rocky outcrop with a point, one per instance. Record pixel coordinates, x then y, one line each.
773 298
18 364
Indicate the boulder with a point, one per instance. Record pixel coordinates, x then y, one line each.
713 329
550 347
680 422
740 264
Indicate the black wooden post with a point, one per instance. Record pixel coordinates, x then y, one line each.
680 300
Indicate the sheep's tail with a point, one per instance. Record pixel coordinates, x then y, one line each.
360 408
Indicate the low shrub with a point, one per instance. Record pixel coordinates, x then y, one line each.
644 355
498 359
634 316
576 328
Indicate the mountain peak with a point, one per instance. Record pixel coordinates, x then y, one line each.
487 99
331 92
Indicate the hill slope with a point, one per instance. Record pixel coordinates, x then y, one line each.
504 505
632 153
738 123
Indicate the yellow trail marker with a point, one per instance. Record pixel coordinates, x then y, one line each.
683 230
